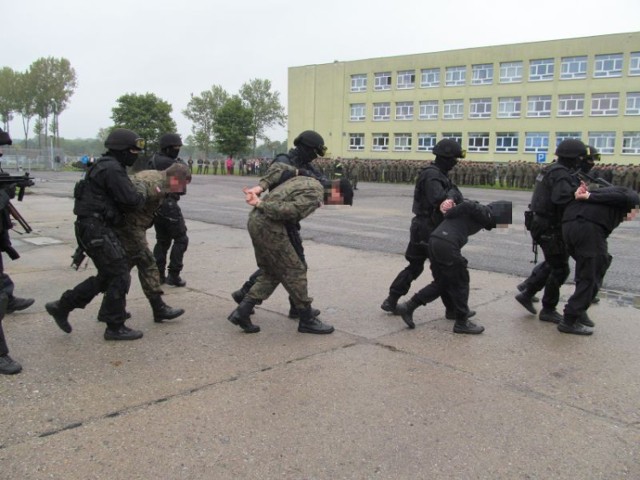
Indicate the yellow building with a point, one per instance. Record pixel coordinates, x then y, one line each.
502 103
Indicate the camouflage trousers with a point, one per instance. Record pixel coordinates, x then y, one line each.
134 242
278 260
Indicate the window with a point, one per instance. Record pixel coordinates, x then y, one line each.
404 110
356 141
604 104
478 142
571 105
536 142
381 111
509 107
359 82
457 136
633 103
510 72
541 70
382 81
358 112
605 142
430 77
380 142
426 142
480 108
406 79
429 110
482 74
608 66
539 106
455 76
453 109
573 68
562 136
631 143
634 63
507 142
402 142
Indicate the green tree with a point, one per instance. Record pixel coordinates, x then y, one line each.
232 129
265 105
25 102
53 83
147 115
202 111
8 87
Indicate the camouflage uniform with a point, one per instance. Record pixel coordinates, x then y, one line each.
290 202
132 233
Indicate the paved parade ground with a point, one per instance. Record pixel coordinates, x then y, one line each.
198 399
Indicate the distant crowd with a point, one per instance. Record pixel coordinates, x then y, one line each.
517 174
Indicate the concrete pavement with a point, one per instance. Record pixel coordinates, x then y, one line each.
198 399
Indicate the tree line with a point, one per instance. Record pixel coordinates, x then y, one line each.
231 124
42 92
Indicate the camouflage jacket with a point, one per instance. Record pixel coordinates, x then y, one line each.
291 201
151 183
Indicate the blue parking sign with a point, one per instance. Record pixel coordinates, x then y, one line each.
541 157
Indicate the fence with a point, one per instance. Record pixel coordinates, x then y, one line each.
34 159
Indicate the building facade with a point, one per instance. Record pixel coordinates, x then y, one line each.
507 102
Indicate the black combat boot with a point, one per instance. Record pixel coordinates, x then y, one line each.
163 277
390 303
162 311
240 316
523 287
451 315
463 325
121 332
174 280
238 295
295 314
526 300
60 315
550 315
8 366
585 320
405 310
16 304
570 324
311 324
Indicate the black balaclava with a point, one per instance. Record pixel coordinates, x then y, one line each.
304 154
446 163
126 157
171 152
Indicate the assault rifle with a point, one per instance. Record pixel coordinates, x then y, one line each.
21 182
586 178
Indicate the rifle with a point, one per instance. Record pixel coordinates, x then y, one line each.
21 182
585 177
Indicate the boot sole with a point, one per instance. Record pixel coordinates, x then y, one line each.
255 328
317 332
169 317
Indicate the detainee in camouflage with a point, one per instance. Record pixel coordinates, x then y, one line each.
289 202
132 233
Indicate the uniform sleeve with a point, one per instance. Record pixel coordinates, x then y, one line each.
119 186
435 191
563 190
303 204
620 197
274 174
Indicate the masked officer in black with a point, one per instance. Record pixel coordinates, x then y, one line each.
169 223
101 198
587 222
540 272
308 146
8 302
555 188
434 194
448 266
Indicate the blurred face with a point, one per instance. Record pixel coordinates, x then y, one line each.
177 185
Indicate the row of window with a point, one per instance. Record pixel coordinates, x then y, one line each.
571 105
505 142
540 70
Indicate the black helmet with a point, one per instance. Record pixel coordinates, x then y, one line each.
170 140
312 140
5 139
123 139
571 148
449 148
592 154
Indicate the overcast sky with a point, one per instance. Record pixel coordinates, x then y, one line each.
175 48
